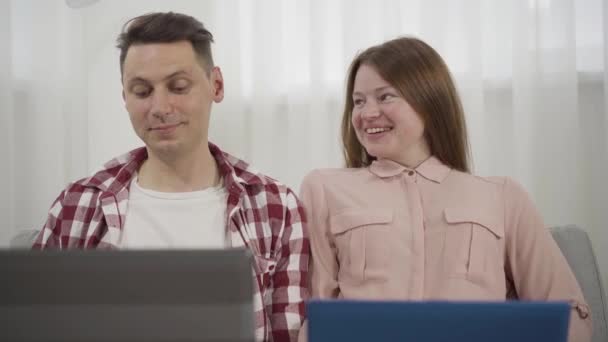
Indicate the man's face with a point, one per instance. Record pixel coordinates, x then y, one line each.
168 95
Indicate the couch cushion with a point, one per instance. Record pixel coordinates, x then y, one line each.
576 247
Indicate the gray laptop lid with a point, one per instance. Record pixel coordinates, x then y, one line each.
169 295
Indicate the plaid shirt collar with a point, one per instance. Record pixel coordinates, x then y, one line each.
118 172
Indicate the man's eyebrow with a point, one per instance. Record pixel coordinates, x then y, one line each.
138 79
177 73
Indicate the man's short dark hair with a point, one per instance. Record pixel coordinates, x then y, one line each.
166 27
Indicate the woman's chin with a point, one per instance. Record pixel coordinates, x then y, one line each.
377 153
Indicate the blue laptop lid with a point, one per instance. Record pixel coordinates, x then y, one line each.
343 320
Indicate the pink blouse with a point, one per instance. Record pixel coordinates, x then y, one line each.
432 233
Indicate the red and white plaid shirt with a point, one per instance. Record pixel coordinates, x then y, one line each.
261 214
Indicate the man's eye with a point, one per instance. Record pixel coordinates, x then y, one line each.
179 86
141 92
179 90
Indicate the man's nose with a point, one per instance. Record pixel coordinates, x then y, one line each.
161 104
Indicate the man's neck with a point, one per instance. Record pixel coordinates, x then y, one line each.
191 171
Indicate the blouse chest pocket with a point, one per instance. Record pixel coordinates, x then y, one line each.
474 245
361 237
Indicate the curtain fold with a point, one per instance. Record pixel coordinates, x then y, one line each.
7 208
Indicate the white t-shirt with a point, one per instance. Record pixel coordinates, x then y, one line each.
175 220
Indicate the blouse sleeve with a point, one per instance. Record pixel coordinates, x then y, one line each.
535 265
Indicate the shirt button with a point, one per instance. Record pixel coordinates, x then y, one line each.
411 173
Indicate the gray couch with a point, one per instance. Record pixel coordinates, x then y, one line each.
574 243
576 247
23 239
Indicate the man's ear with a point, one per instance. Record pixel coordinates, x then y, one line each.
217 81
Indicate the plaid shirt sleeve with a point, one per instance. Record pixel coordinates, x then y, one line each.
74 210
47 238
290 280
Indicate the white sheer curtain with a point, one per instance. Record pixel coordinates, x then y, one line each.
43 108
531 75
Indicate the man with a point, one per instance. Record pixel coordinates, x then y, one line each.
180 191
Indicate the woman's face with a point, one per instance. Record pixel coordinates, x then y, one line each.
385 124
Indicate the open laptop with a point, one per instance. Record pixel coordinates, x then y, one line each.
169 295
341 320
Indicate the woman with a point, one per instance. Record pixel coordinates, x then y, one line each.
406 220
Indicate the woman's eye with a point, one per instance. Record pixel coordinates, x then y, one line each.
385 97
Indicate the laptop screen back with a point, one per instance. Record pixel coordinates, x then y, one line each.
437 321
169 295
